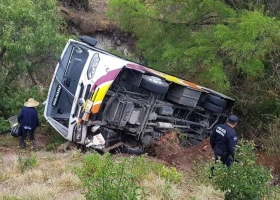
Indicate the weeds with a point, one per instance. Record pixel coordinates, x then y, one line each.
27 163
272 142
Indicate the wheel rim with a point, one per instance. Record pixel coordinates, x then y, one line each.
155 79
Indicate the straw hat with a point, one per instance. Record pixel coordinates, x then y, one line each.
31 103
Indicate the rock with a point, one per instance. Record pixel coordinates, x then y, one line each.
41 140
66 147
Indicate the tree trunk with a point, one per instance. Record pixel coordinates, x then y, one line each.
2 52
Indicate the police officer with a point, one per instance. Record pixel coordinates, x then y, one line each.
223 140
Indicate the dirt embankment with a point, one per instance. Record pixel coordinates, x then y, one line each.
169 150
88 22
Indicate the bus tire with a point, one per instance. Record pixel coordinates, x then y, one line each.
154 84
216 100
212 107
194 142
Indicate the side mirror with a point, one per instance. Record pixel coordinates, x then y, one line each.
88 40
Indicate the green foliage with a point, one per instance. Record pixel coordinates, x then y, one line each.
29 32
26 163
200 35
259 105
56 140
104 179
13 102
4 124
29 38
107 178
245 179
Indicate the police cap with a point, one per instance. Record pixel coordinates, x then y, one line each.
232 119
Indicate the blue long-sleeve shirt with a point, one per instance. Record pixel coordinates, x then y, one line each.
28 116
223 140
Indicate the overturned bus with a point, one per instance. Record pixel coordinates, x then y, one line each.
103 101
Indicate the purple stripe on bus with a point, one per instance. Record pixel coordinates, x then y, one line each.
136 66
111 75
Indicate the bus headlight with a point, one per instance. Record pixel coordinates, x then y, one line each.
77 133
92 65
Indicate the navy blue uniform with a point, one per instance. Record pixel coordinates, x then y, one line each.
28 116
223 141
29 121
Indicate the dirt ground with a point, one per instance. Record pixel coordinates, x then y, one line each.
167 149
88 22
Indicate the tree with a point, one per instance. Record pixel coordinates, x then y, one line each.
196 36
29 37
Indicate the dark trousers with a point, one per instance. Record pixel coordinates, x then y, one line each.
24 134
225 159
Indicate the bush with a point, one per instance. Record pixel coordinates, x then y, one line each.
107 178
4 124
244 180
104 179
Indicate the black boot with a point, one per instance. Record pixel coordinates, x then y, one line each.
22 145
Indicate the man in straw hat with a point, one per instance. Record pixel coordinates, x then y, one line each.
29 121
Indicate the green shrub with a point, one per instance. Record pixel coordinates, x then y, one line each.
106 177
14 101
27 162
244 180
142 167
4 124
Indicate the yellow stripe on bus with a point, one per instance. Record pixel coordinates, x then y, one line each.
100 92
99 95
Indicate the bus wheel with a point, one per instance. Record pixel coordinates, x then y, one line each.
154 84
216 100
212 107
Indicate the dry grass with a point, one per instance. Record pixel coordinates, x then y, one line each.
158 189
53 177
